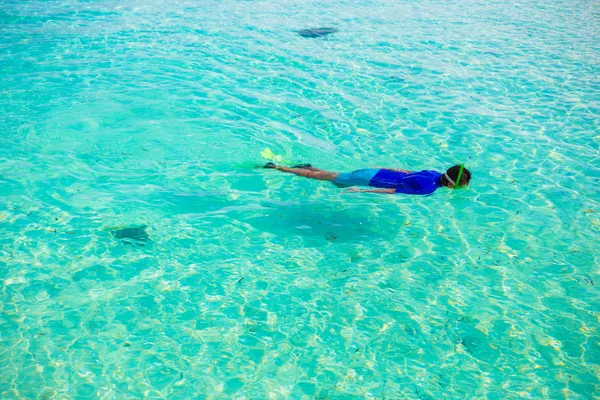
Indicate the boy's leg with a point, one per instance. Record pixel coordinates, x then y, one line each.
360 177
312 173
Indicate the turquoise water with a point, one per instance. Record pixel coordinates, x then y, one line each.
142 257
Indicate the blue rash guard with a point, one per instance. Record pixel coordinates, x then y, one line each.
421 182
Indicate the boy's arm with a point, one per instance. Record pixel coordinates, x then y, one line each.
388 191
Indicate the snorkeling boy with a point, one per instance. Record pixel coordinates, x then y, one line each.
385 180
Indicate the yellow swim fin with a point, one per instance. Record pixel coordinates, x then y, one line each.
268 154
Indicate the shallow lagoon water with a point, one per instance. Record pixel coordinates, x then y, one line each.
253 284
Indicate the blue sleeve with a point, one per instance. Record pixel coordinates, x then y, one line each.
414 185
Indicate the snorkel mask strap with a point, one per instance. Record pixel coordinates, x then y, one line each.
449 180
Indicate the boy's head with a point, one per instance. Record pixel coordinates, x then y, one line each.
449 178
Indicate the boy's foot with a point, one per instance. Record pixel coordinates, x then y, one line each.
270 165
